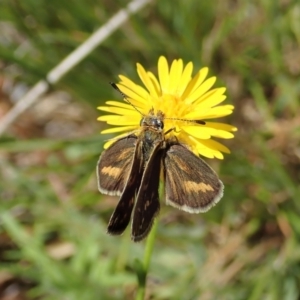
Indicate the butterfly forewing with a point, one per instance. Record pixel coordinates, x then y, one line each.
190 184
147 200
115 164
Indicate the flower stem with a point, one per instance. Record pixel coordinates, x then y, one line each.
143 270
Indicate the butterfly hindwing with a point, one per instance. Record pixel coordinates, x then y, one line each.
190 184
122 213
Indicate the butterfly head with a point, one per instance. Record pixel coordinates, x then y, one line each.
153 121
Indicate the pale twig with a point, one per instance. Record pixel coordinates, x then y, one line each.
69 62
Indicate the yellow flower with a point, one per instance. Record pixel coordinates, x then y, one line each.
182 98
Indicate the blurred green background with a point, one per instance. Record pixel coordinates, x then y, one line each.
53 241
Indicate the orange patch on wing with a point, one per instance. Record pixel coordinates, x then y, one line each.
111 171
124 154
196 187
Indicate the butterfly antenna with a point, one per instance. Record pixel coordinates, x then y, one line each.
189 121
124 96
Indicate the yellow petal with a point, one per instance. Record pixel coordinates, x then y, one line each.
118 110
175 76
133 90
107 144
209 153
163 74
222 134
185 78
118 129
113 140
203 88
210 99
195 82
221 126
209 113
117 120
118 104
205 132
155 84
127 82
218 112
134 96
202 149
212 144
146 80
198 132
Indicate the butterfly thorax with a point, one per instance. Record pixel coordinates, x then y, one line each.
152 132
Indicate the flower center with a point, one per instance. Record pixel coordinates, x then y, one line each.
171 105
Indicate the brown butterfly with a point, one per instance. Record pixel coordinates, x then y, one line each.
131 168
